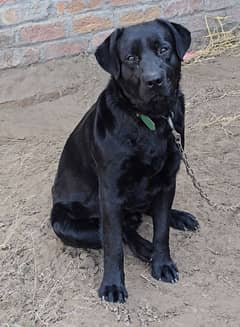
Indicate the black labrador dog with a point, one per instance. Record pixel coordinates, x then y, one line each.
121 160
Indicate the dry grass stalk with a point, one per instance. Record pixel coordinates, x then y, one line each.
220 40
223 120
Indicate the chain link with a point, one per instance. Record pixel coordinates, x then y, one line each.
191 174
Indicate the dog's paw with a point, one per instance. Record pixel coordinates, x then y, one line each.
113 293
183 221
165 270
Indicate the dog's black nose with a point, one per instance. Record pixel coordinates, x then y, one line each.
153 79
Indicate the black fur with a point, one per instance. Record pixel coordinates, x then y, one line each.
113 169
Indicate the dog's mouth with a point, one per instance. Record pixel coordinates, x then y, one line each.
157 96
148 101
157 93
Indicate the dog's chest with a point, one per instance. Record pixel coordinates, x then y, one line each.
150 165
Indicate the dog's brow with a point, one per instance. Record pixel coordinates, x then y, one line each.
136 47
153 41
156 41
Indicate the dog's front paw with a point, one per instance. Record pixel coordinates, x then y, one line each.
113 293
165 270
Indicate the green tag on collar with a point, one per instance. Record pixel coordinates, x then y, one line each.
148 122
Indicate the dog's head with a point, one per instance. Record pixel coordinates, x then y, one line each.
145 59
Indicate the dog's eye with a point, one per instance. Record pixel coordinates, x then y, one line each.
162 50
132 59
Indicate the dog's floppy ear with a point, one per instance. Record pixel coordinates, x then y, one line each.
181 35
107 54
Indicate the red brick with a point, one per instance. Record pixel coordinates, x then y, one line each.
6 58
75 6
7 1
64 49
33 10
215 5
78 5
117 3
30 56
15 57
182 7
60 7
193 22
6 38
196 5
139 16
28 11
9 16
42 32
86 24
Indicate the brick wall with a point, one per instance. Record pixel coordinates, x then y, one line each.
38 30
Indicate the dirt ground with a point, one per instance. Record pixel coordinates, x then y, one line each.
42 282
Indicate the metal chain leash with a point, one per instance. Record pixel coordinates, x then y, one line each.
191 174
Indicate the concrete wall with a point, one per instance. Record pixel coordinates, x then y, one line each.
38 30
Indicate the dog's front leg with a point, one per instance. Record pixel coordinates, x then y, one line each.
112 288
163 268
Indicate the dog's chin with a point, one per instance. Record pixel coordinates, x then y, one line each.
155 98
154 104
146 101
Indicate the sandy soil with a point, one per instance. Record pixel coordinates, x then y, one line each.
42 282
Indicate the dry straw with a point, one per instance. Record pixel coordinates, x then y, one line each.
220 39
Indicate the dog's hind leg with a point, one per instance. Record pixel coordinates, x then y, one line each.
181 220
75 232
140 247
